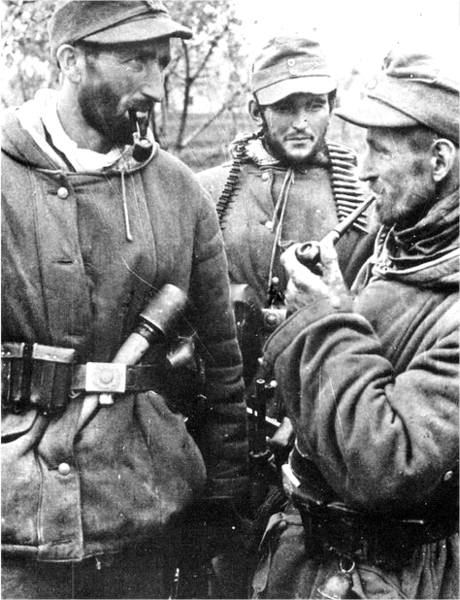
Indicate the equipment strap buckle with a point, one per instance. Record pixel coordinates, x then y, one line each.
105 377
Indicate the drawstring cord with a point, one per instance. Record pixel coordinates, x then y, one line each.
278 219
129 237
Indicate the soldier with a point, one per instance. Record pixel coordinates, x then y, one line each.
97 461
370 382
285 184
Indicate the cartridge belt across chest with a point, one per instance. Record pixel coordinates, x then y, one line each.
48 377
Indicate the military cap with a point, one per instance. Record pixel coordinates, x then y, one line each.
290 65
111 22
413 88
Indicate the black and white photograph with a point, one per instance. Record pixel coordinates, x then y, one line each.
230 299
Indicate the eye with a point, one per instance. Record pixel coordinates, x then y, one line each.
283 107
164 62
136 63
317 105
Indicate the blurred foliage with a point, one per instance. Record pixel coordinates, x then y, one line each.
26 62
213 56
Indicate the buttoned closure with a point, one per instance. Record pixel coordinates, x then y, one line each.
63 193
265 176
269 225
64 468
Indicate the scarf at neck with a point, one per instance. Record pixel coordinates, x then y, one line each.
437 232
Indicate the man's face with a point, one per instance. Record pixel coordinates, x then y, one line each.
399 174
119 79
296 126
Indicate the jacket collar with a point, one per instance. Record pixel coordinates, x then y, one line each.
34 116
426 254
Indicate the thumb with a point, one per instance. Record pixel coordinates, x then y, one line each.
332 274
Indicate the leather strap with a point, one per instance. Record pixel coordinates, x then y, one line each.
118 378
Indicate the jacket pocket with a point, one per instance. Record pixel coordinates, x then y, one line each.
140 469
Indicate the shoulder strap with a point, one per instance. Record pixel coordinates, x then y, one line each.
346 188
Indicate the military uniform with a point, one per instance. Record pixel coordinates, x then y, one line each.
84 250
371 386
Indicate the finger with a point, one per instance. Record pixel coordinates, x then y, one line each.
332 274
327 248
290 293
299 273
288 258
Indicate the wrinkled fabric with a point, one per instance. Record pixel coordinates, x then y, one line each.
126 575
373 396
71 277
287 570
311 212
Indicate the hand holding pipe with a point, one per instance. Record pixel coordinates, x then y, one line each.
309 253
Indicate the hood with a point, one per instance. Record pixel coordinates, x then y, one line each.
427 254
24 139
21 146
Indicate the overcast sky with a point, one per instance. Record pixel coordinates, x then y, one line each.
356 33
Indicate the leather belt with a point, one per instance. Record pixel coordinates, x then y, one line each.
378 538
116 378
48 376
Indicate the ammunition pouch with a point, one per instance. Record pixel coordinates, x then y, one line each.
38 375
48 377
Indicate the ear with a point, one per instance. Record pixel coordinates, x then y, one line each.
255 113
443 158
68 58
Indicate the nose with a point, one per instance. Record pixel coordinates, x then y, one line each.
152 86
301 119
368 171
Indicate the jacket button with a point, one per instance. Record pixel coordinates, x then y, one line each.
64 469
269 225
265 177
63 193
448 475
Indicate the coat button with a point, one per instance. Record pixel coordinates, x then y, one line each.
63 193
265 177
269 225
64 469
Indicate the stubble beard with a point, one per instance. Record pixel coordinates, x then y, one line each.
277 150
100 107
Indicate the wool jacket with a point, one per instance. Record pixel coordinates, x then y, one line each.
372 390
381 376
312 209
82 254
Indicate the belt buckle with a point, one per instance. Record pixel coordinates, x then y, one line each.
105 377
